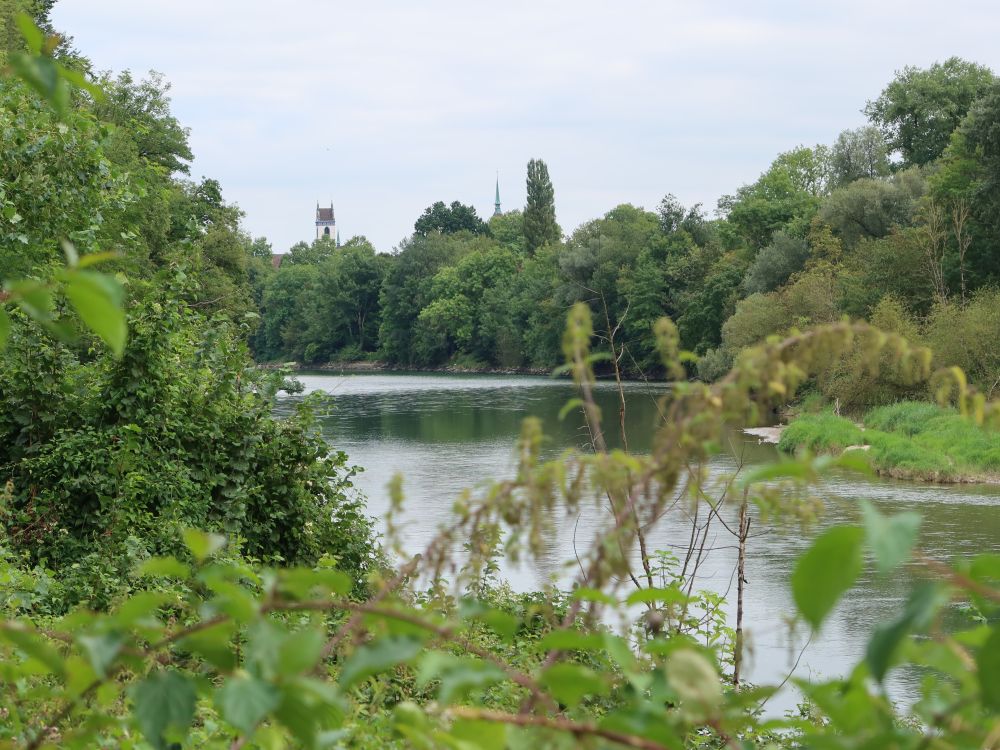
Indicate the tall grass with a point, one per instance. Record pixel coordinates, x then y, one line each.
819 433
906 417
909 439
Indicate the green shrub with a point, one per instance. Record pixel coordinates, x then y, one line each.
177 433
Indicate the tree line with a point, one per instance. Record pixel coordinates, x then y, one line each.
896 221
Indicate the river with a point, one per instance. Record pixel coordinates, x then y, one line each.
445 433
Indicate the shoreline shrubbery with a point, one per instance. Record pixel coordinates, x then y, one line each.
908 440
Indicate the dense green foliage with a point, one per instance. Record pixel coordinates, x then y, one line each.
107 452
907 439
130 414
450 219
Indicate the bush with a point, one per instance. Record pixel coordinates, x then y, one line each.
177 433
966 336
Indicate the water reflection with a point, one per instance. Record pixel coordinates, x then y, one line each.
447 433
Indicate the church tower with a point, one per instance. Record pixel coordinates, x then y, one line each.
496 205
326 222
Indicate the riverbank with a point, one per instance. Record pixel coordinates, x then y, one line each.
909 440
361 366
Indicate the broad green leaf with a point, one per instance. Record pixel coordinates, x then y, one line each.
891 538
409 713
791 468
202 545
33 36
988 668
642 721
670 595
619 650
857 461
33 644
79 80
571 640
570 683
164 706
300 651
232 599
302 582
264 642
457 675
298 715
696 683
485 735
310 709
143 605
72 256
244 701
985 568
377 657
924 601
43 75
163 567
502 623
101 649
214 645
32 297
572 405
79 675
97 299
92 259
4 327
825 571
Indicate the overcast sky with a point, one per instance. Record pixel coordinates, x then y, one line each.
386 107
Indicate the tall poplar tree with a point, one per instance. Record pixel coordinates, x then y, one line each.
540 212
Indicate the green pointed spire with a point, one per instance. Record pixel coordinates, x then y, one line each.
496 205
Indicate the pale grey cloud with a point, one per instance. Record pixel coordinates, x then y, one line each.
386 107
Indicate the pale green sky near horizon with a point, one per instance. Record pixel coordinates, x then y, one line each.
386 107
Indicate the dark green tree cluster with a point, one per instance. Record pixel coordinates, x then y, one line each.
450 219
323 302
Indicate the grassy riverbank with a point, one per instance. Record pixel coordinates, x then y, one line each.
911 440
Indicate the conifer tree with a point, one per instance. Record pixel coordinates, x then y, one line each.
540 212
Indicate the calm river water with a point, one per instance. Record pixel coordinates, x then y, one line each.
446 433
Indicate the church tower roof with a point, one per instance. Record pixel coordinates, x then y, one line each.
496 205
326 222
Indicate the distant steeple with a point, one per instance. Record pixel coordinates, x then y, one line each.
496 205
338 238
